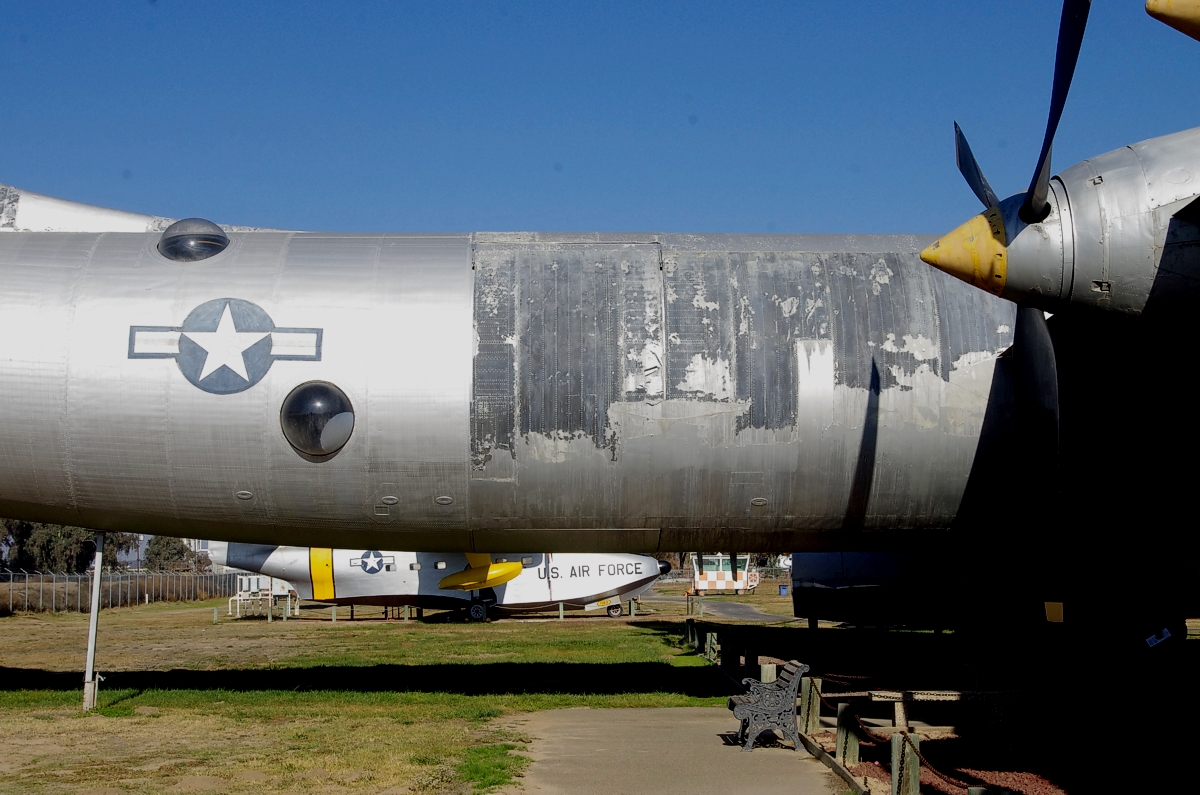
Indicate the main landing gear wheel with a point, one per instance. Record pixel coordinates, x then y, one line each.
614 611
477 611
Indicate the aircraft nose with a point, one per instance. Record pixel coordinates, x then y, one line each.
663 567
976 252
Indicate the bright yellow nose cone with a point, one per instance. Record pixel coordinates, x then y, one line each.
976 252
1183 15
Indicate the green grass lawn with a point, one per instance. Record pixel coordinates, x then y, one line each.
310 705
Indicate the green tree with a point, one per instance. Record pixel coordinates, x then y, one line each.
164 553
34 546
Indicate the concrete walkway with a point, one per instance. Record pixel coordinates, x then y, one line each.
639 751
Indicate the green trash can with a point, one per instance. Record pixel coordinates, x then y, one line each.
783 590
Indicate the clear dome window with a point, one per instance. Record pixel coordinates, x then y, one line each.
317 418
192 240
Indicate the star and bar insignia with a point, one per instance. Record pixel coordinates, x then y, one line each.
226 345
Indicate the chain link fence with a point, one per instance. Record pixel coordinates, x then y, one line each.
35 591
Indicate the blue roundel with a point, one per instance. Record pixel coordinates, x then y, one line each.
371 561
225 345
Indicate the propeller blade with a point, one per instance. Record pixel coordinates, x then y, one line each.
969 168
1037 375
1070 39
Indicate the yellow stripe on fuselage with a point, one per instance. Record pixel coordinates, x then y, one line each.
320 568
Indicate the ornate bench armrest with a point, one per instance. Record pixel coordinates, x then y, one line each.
756 686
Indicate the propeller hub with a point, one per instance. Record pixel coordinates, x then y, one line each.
1183 15
999 253
976 252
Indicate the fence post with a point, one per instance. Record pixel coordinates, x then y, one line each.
41 591
906 768
847 735
810 705
78 595
53 592
89 680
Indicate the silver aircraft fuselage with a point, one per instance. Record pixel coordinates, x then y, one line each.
565 392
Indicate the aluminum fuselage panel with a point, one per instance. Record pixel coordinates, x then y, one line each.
573 393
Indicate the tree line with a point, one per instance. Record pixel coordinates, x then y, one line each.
33 546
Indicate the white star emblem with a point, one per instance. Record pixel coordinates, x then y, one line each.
372 562
225 346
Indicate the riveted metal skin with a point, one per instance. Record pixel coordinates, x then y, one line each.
1135 251
562 392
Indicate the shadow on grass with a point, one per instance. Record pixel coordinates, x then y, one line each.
462 679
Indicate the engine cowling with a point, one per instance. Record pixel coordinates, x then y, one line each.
1121 235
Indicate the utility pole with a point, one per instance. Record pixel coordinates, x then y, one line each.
89 676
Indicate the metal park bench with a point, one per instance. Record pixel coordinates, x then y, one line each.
769 705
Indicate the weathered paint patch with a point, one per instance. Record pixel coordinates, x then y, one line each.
493 400
10 198
919 347
706 376
709 423
847 389
564 332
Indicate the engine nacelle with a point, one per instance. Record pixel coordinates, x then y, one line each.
1121 236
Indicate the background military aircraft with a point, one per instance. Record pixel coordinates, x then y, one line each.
635 392
473 582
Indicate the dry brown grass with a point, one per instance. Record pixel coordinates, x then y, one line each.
362 734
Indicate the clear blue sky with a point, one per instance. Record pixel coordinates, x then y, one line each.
640 116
